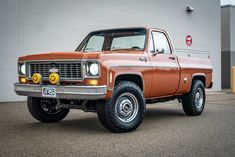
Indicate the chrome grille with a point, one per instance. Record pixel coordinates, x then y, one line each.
66 70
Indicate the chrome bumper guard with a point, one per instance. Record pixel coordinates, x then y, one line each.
63 92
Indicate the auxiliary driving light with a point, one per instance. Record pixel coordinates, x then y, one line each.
54 78
36 78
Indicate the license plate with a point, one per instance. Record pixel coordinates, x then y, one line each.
49 92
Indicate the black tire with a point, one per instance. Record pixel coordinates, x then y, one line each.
189 101
36 109
109 114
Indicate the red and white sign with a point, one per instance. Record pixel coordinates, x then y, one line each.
189 40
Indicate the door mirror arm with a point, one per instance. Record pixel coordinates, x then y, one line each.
154 53
160 51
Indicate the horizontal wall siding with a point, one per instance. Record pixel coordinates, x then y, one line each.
35 26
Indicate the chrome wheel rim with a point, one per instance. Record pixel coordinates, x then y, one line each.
199 98
49 106
126 107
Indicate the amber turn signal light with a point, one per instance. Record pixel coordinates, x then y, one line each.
36 78
92 82
23 80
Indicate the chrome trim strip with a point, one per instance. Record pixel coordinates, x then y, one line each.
198 74
161 67
110 89
63 92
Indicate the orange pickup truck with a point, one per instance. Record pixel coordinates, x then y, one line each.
114 73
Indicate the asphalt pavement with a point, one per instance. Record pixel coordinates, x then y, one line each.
165 131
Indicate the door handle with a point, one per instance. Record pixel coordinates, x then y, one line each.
144 59
172 58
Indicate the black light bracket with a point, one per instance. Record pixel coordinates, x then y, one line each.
189 9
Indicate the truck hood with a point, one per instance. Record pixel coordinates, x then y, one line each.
72 55
60 56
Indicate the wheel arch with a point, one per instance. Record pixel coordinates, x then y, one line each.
201 77
135 78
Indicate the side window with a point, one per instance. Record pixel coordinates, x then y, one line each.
161 43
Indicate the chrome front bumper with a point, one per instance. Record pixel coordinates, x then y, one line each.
63 92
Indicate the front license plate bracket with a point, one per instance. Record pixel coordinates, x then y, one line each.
49 92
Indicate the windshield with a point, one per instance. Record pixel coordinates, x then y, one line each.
111 40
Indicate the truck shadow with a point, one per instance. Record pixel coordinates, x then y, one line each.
157 115
91 124
163 113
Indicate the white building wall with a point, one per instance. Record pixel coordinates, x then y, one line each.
35 26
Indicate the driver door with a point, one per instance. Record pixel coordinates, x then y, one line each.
165 68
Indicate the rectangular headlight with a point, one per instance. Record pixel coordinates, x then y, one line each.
92 69
22 68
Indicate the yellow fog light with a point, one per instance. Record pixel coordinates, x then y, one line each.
36 78
23 80
54 78
92 82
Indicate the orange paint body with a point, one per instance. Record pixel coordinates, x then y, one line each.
162 75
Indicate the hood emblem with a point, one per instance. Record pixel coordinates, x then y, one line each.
53 70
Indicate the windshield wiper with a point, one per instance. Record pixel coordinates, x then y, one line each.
89 50
117 48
